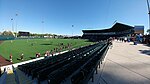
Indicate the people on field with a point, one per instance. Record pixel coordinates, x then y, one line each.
60 49
69 46
48 53
45 55
10 58
22 56
52 53
56 50
38 55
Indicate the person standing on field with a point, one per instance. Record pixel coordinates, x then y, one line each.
10 57
0 71
22 56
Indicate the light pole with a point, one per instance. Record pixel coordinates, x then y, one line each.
16 24
72 30
148 13
43 28
12 25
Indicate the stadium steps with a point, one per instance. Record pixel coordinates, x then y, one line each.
23 79
10 79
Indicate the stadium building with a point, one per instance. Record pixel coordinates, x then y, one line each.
139 30
22 33
117 30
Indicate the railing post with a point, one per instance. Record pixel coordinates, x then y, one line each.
92 78
96 70
99 65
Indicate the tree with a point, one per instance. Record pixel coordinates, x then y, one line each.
148 30
7 33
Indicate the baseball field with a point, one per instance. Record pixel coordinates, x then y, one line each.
29 47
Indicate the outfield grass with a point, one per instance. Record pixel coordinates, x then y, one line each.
29 47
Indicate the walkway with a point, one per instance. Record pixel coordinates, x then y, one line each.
125 63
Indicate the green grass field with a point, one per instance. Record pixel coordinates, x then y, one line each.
29 47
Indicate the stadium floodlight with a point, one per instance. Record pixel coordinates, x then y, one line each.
12 24
148 13
72 30
12 20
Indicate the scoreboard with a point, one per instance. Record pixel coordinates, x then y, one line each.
21 33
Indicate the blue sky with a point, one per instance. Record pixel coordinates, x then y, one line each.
60 15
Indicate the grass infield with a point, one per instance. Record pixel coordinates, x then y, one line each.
29 47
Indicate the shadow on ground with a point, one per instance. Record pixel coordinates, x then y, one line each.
147 45
32 57
46 44
147 52
127 73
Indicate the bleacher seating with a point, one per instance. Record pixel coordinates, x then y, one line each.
76 65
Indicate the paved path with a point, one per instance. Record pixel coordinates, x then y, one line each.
125 63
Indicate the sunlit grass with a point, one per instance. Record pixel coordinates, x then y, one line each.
29 47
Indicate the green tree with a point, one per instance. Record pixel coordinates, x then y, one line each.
148 30
7 33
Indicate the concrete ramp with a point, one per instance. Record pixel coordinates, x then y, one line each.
125 63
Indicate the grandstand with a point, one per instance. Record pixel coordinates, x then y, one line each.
117 30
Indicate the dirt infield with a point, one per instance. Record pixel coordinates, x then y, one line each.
4 61
1 42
